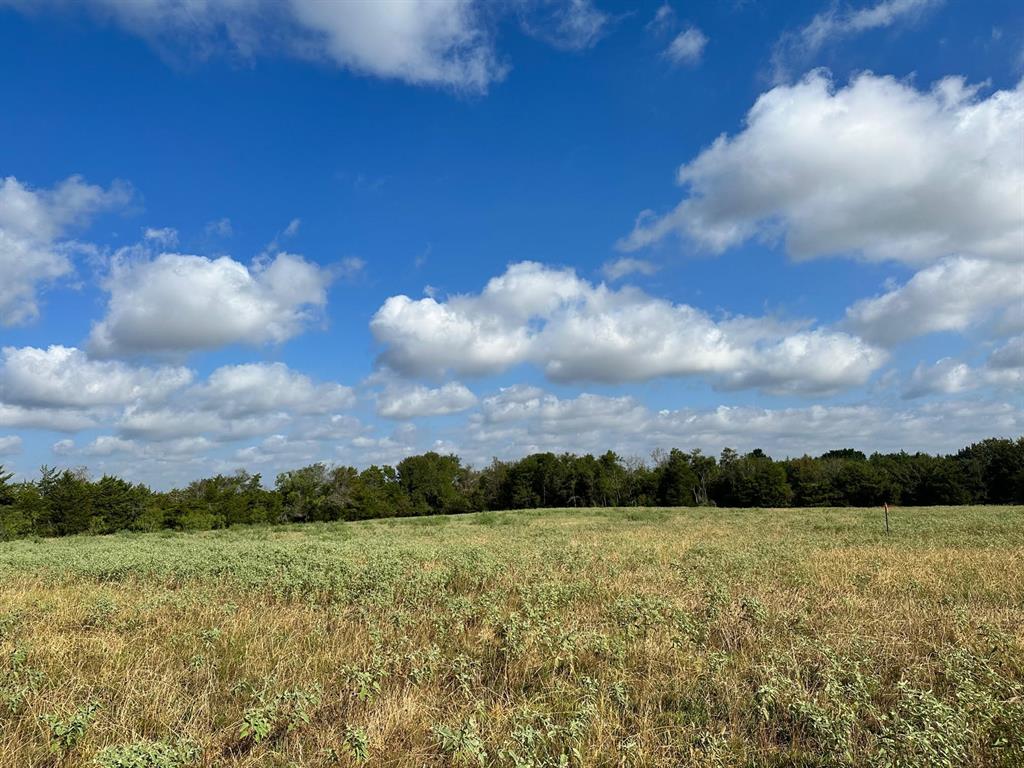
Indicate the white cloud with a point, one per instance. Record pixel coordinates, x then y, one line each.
838 22
33 223
166 237
108 445
577 331
521 420
876 169
64 377
949 296
1008 356
173 422
947 376
350 267
55 419
219 228
278 449
63 447
620 268
1004 370
687 47
10 445
400 401
567 24
388 449
426 42
663 19
238 402
176 303
259 388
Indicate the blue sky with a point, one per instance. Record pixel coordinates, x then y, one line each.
254 234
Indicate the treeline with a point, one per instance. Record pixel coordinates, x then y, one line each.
65 502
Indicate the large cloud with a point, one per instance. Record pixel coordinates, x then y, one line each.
256 388
62 389
949 296
33 225
236 402
176 303
403 401
878 169
64 377
434 42
577 331
520 420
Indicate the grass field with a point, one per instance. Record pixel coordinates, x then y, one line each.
540 638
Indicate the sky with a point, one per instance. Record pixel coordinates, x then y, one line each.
263 233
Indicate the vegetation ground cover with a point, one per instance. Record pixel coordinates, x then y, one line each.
598 637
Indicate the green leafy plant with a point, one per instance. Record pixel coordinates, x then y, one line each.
66 733
148 754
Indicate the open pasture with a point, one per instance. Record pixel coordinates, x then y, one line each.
592 637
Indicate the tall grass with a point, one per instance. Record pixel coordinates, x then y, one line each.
582 637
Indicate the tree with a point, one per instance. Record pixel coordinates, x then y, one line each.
676 481
705 470
753 481
433 483
117 504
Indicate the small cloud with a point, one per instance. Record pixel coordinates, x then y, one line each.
292 228
421 258
10 445
616 270
165 237
350 268
687 47
63 447
795 48
219 228
575 25
664 19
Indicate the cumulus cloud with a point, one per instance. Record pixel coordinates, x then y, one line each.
238 402
519 420
838 22
577 331
402 401
424 42
65 377
54 419
108 445
10 445
687 47
259 388
1008 356
63 447
1004 369
158 412
946 376
948 296
876 169
176 303
278 449
33 226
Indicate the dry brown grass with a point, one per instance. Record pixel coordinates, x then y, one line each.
629 637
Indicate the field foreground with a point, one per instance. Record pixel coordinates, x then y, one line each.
539 638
